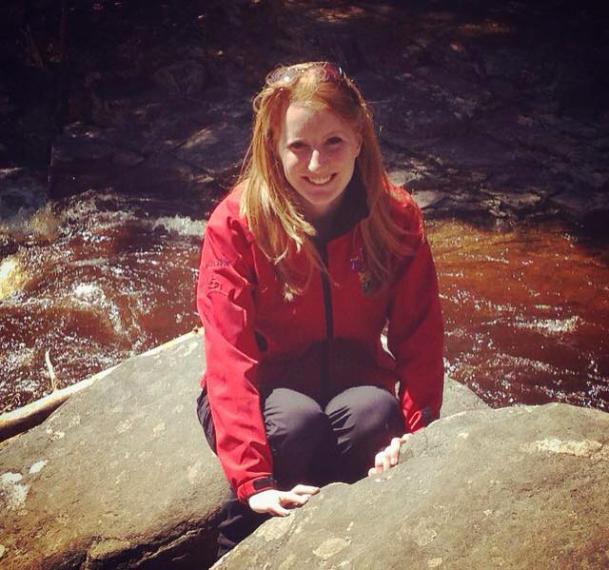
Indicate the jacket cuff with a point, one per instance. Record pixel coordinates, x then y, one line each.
420 419
249 488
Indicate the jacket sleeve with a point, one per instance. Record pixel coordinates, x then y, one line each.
416 339
225 304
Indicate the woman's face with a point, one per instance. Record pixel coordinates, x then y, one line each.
317 150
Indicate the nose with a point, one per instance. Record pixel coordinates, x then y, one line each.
315 161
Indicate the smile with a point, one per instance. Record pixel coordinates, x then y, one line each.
319 181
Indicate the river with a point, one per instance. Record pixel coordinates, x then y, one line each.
100 277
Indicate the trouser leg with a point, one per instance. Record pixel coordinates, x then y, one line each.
364 419
300 436
237 522
297 429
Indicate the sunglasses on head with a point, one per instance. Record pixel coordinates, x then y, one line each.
324 71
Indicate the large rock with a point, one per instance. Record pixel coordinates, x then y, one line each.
459 398
120 476
523 487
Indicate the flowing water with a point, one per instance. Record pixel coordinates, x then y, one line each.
100 277
527 313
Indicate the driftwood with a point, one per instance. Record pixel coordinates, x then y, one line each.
52 375
29 416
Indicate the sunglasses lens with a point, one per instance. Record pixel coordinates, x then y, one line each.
331 72
326 72
281 75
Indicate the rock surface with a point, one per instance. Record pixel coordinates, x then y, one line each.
120 476
522 487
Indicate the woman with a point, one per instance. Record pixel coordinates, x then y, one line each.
303 265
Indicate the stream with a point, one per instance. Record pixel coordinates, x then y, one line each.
96 278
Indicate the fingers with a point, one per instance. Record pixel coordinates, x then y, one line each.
305 490
278 510
381 461
279 503
291 499
388 457
393 451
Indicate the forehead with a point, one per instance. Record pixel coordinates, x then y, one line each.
301 120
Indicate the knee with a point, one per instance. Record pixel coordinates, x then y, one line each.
369 411
291 416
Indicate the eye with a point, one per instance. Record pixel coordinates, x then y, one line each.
296 146
333 141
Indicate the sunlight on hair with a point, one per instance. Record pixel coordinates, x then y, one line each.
271 206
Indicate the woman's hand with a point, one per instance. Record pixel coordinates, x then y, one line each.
388 457
278 503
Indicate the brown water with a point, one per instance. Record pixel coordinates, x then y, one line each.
104 277
527 313
113 280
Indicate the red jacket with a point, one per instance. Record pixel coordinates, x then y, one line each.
327 339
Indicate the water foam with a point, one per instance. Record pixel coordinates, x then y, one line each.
552 326
182 225
12 276
92 295
88 292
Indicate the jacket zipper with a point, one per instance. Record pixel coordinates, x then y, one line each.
329 322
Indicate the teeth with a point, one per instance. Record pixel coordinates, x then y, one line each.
319 181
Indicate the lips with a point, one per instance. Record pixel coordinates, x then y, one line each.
319 180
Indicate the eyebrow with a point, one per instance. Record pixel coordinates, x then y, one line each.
331 134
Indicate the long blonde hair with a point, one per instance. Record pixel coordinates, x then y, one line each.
271 206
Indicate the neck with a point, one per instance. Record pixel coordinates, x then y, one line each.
323 222
323 226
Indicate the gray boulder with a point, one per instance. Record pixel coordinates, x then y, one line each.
120 476
459 398
522 487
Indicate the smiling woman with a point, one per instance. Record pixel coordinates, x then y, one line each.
317 150
303 266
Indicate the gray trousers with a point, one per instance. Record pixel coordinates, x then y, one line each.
312 443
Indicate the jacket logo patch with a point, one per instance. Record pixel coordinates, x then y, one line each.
365 278
357 264
214 285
